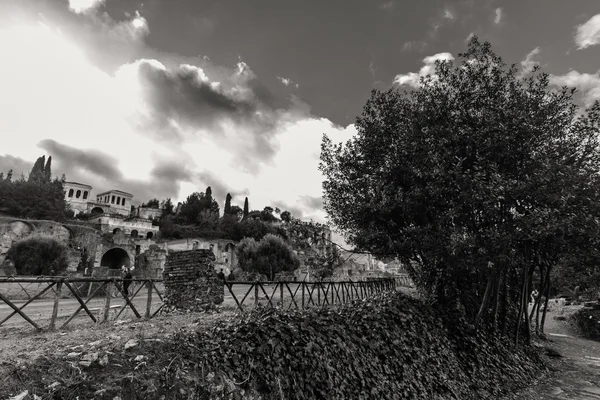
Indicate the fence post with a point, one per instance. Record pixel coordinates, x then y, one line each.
303 287
149 301
281 294
332 293
56 304
106 310
319 293
256 294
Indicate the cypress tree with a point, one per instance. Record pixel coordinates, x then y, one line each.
227 209
246 209
37 171
48 169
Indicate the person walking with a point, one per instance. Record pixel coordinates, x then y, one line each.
127 278
221 275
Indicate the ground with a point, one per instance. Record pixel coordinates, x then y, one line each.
575 376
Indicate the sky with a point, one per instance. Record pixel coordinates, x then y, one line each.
164 98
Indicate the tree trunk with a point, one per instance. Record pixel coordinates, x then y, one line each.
486 298
503 306
522 302
496 300
547 294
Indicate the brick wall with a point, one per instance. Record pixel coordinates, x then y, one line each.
191 282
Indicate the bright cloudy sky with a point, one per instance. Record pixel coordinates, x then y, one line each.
163 98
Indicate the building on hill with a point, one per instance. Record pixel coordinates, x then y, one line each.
77 196
116 202
148 212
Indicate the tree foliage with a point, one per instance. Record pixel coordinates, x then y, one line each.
268 256
478 177
38 197
39 255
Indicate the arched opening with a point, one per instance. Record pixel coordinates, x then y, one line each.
115 258
85 195
97 210
134 233
71 192
112 200
123 201
149 235
78 194
116 230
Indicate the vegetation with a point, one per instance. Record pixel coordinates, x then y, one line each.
390 347
588 322
39 255
479 180
268 256
37 197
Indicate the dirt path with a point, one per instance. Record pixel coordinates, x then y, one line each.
575 376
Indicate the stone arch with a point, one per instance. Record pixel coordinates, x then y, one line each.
134 233
97 210
71 191
71 233
116 230
21 228
149 235
114 258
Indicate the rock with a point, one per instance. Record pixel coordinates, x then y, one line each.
73 354
556 391
96 343
88 359
131 343
550 352
139 358
20 396
103 360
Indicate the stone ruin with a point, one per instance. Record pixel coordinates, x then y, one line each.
191 282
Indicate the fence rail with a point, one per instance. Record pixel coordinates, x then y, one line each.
60 299
301 294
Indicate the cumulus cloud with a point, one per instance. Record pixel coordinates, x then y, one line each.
529 63
412 78
17 164
448 14
587 84
588 33
82 6
498 15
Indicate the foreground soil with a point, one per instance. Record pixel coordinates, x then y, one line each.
576 375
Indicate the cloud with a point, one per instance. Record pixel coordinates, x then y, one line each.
83 6
372 69
529 63
287 82
412 78
117 114
388 5
313 202
498 17
588 33
448 14
17 164
416 45
469 37
587 84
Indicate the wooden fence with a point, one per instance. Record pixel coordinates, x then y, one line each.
92 297
301 295
85 291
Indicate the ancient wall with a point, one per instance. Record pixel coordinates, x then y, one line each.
191 282
151 262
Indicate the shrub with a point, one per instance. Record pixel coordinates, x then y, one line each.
39 255
588 322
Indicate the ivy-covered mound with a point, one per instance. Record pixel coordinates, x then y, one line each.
588 322
391 347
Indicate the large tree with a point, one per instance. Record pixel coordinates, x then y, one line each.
478 179
268 256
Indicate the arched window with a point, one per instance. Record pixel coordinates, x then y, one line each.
78 194
116 230
134 233
71 193
149 235
112 200
118 201
123 201
85 195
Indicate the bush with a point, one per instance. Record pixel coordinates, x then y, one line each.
39 255
588 322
